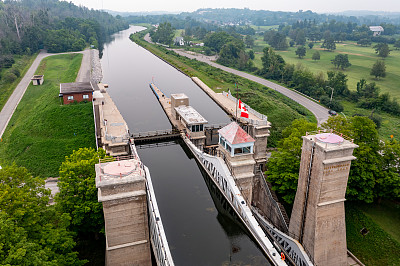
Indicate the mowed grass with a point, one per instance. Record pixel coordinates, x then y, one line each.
361 58
377 247
42 131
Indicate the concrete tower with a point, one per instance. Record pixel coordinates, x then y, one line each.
318 217
122 190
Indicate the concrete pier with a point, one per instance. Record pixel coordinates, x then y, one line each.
122 190
318 217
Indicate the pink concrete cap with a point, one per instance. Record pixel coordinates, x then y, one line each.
120 167
329 138
234 134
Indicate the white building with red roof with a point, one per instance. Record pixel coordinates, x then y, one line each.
235 140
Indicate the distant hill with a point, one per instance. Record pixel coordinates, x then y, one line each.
141 13
361 13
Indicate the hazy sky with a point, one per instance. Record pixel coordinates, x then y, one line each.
275 5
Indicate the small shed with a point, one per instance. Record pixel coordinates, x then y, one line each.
76 91
37 79
377 30
235 140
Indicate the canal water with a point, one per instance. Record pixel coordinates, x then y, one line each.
198 231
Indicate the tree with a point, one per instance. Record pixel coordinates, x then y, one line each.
342 61
329 44
276 39
366 169
272 64
397 44
378 69
78 193
364 42
249 41
382 49
251 54
163 34
31 233
284 164
310 45
316 56
300 37
338 81
301 51
216 40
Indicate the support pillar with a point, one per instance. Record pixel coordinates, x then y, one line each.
318 217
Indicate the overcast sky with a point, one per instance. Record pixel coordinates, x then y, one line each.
275 5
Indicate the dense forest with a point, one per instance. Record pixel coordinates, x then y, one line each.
59 26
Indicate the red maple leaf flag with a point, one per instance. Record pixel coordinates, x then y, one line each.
240 104
244 112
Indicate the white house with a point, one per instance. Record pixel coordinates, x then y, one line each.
377 30
179 41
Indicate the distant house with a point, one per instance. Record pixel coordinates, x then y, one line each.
77 91
377 30
179 41
37 79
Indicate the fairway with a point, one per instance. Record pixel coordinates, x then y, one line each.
361 58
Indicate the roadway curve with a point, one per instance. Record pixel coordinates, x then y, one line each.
12 103
320 112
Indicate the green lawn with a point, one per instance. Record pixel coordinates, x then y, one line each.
22 63
379 245
42 131
361 58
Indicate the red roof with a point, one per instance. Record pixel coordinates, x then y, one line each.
234 134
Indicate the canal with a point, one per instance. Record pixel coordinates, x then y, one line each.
198 231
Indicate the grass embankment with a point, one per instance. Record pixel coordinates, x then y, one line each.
376 246
22 63
281 111
42 131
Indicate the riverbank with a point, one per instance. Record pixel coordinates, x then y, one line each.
281 111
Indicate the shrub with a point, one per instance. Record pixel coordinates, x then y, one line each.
10 77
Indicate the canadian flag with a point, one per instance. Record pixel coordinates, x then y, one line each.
244 112
240 104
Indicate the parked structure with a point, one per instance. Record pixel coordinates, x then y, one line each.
76 92
179 41
377 30
37 79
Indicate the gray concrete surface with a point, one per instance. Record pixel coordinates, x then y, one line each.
12 103
320 112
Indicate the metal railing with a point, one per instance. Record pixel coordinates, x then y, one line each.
271 198
159 241
155 133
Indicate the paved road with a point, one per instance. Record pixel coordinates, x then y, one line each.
320 112
12 103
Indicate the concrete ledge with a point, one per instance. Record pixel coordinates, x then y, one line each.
330 202
120 195
339 160
127 245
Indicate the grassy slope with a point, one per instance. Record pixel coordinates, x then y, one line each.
22 63
377 247
280 110
42 131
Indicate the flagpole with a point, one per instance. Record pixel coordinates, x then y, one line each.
237 100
